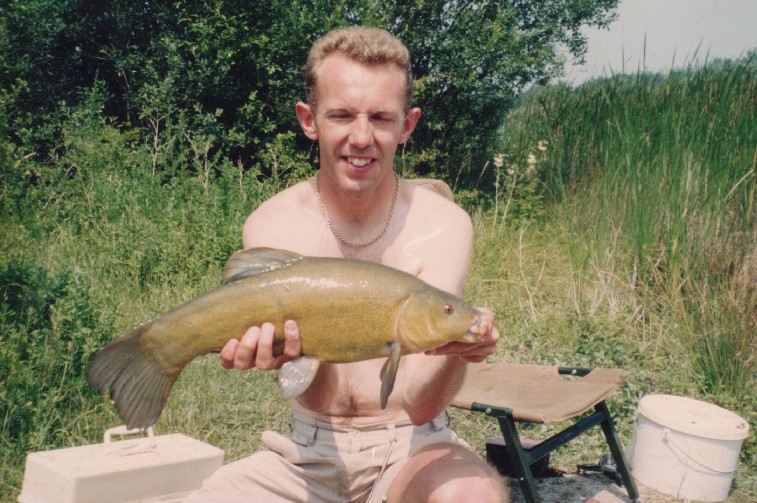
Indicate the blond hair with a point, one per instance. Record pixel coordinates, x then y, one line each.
363 44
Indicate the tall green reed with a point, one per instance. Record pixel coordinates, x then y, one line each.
669 163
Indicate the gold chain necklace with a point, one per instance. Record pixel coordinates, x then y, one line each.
339 234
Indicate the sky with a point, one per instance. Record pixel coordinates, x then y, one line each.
677 32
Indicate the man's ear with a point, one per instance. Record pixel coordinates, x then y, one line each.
411 119
306 118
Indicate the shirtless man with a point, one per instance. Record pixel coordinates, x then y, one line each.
344 447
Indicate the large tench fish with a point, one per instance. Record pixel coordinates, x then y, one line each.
346 311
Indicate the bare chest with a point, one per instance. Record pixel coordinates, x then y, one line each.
349 393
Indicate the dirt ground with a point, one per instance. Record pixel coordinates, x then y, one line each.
586 488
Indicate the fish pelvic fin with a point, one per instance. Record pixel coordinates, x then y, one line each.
255 261
296 376
389 372
138 386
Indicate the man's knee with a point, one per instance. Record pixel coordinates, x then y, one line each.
447 473
481 491
478 482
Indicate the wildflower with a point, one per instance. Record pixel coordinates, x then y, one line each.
531 159
542 145
499 160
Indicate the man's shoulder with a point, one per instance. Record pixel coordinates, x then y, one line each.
282 218
436 186
283 203
431 202
437 222
297 193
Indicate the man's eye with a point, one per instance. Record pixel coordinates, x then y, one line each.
339 117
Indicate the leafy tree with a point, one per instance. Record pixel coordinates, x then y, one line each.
220 77
471 59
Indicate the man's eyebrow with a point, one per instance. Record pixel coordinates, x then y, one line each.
338 110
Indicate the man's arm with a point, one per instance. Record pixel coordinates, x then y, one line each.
432 379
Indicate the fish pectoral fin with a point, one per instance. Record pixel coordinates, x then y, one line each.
255 261
296 376
389 372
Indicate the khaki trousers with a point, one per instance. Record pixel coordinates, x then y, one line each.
322 462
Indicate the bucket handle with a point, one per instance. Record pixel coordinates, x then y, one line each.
667 439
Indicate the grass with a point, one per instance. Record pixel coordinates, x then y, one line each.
647 258
628 239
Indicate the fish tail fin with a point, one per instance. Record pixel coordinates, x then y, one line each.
138 386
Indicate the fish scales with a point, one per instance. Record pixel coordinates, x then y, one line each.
346 311
312 292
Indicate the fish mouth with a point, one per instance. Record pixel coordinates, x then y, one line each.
477 331
470 337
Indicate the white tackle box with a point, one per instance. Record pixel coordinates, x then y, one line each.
162 468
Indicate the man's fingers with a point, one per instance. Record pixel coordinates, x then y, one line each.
473 359
256 348
264 359
451 348
292 346
247 349
227 353
472 352
485 322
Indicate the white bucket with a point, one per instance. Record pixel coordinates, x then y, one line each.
686 448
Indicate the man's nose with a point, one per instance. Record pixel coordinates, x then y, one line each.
361 134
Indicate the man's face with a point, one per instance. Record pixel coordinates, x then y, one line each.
359 120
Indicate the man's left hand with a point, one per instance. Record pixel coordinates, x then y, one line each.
474 352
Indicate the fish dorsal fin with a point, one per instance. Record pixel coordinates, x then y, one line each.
254 261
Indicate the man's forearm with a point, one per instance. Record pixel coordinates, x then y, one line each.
431 387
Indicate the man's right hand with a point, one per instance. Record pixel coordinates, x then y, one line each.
255 348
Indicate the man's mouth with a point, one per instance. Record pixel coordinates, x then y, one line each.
359 161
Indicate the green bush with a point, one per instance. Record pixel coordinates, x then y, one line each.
50 327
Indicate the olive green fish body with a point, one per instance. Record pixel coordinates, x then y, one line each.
346 311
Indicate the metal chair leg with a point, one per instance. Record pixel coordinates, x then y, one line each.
519 459
617 452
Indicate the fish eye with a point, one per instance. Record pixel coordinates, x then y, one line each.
449 309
